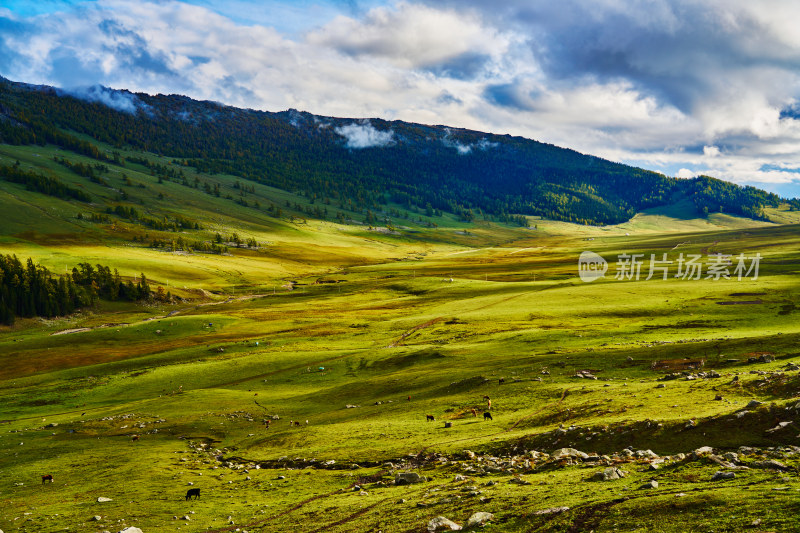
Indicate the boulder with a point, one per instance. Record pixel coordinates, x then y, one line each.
440 523
478 519
406 478
723 475
131 529
753 404
568 452
771 464
702 451
650 485
647 454
97 518
609 474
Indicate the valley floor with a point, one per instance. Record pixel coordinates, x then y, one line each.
299 403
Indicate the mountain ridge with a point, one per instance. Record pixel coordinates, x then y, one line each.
363 164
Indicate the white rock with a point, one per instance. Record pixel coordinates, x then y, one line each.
443 524
103 499
478 519
131 529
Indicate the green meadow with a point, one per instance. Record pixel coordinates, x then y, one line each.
358 333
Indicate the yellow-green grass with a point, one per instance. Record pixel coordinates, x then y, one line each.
393 325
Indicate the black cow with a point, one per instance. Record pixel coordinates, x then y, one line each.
487 415
192 492
429 418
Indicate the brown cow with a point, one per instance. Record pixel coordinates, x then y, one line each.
135 438
474 412
47 477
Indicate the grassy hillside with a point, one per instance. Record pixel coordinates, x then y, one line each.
429 169
203 375
357 330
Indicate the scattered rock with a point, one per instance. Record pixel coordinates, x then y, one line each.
753 404
552 510
478 519
459 477
131 529
97 518
650 485
103 499
440 523
519 481
723 475
779 427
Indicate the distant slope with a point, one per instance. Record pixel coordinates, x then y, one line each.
361 166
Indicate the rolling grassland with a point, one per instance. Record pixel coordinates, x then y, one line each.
358 334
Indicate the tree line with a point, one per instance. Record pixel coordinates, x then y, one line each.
30 290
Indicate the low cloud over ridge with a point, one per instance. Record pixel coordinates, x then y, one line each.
364 135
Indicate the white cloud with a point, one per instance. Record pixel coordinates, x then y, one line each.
414 36
364 135
684 173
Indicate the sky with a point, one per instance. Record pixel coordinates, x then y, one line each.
683 87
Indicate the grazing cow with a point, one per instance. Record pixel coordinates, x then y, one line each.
474 412
47 477
489 403
135 438
501 381
429 418
192 492
487 415
485 397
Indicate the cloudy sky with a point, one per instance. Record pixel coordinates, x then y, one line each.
678 86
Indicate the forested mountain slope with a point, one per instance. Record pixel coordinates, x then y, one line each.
361 164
